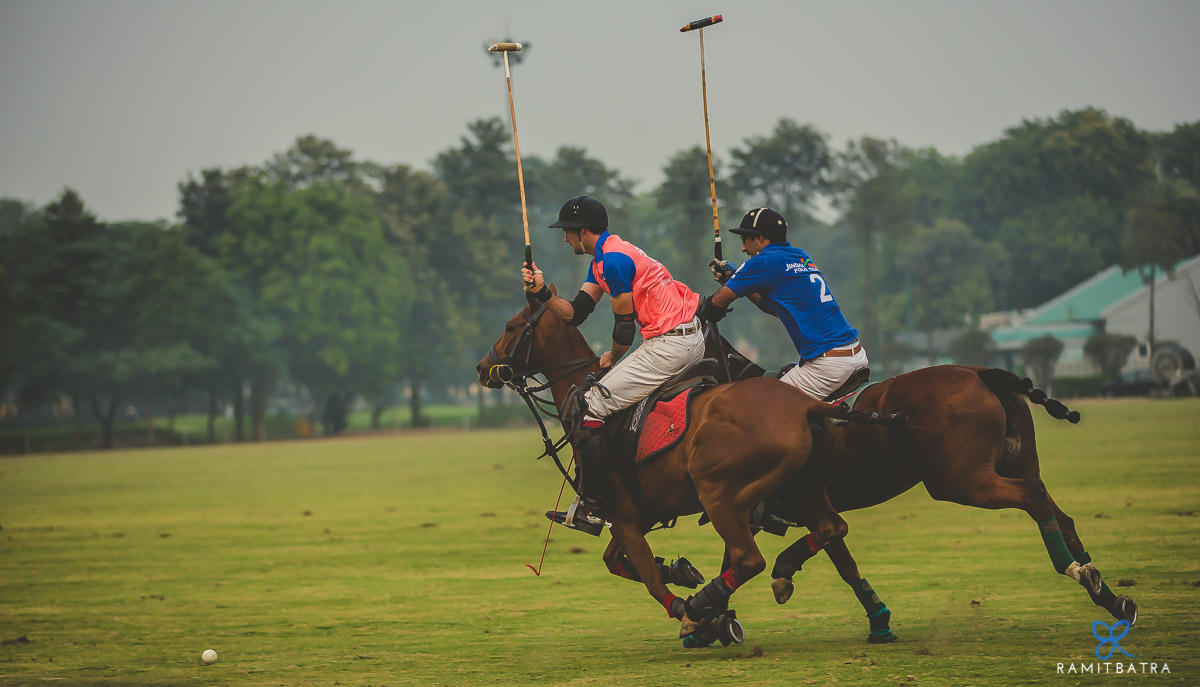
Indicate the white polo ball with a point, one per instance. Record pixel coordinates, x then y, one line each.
209 657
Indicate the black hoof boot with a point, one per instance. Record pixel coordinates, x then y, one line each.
1125 608
681 573
729 630
881 631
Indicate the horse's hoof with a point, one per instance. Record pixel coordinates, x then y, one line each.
697 642
886 637
687 626
729 630
1089 577
783 589
1125 608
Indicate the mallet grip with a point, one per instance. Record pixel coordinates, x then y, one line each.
701 23
529 263
506 47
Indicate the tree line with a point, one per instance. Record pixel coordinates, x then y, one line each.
341 278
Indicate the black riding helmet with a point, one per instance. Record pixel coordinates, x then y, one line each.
580 212
763 222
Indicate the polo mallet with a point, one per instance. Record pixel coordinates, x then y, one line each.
699 25
506 48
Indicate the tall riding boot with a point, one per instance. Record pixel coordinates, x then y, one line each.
589 511
593 474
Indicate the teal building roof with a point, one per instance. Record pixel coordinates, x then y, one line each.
1085 301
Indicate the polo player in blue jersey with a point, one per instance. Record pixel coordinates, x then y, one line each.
782 280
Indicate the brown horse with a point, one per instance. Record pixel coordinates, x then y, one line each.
970 439
746 441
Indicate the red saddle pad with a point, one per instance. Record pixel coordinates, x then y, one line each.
664 426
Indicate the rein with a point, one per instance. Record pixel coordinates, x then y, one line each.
501 371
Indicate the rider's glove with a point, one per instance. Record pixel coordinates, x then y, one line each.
710 311
722 270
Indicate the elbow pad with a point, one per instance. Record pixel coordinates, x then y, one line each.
624 329
583 306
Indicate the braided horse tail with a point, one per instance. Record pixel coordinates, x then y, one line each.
1003 381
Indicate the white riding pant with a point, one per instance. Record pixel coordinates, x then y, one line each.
639 373
822 376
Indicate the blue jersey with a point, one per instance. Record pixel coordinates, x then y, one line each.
794 289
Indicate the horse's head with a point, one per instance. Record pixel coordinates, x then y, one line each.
530 341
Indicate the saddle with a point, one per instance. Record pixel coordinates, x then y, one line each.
852 383
643 431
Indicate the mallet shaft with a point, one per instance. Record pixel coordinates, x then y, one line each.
512 111
712 182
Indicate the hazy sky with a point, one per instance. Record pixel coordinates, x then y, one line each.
121 99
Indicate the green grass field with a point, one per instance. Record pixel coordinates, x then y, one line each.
392 560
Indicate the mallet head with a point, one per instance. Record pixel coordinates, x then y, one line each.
506 47
701 23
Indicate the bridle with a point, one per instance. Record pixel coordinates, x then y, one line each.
501 370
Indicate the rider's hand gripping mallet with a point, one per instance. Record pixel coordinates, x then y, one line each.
712 183
506 48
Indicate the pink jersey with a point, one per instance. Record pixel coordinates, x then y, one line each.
661 302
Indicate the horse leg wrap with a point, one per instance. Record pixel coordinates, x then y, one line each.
712 600
1056 546
877 612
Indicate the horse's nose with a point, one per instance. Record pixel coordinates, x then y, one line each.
479 369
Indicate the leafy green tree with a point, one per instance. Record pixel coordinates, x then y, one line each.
786 171
972 347
1109 352
181 306
13 213
1079 153
869 191
316 259
450 272
481 174
1162 227
71 286
687 199
1040 355
1054 246
951 276
1179 153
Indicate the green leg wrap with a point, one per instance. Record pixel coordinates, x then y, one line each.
1084 558
1060 555
877 611
870 601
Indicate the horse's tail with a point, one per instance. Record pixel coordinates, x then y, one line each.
1002 382
842 412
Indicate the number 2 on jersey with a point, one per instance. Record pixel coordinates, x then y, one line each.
825 297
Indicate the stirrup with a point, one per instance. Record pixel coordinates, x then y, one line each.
578 519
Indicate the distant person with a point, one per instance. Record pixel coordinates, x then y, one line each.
783 281
642 291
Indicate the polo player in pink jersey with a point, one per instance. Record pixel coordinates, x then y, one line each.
642 291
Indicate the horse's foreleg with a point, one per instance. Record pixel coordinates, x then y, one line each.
1121 607
680 572
877 611
743 560
628 537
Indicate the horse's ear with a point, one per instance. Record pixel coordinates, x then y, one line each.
553 289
